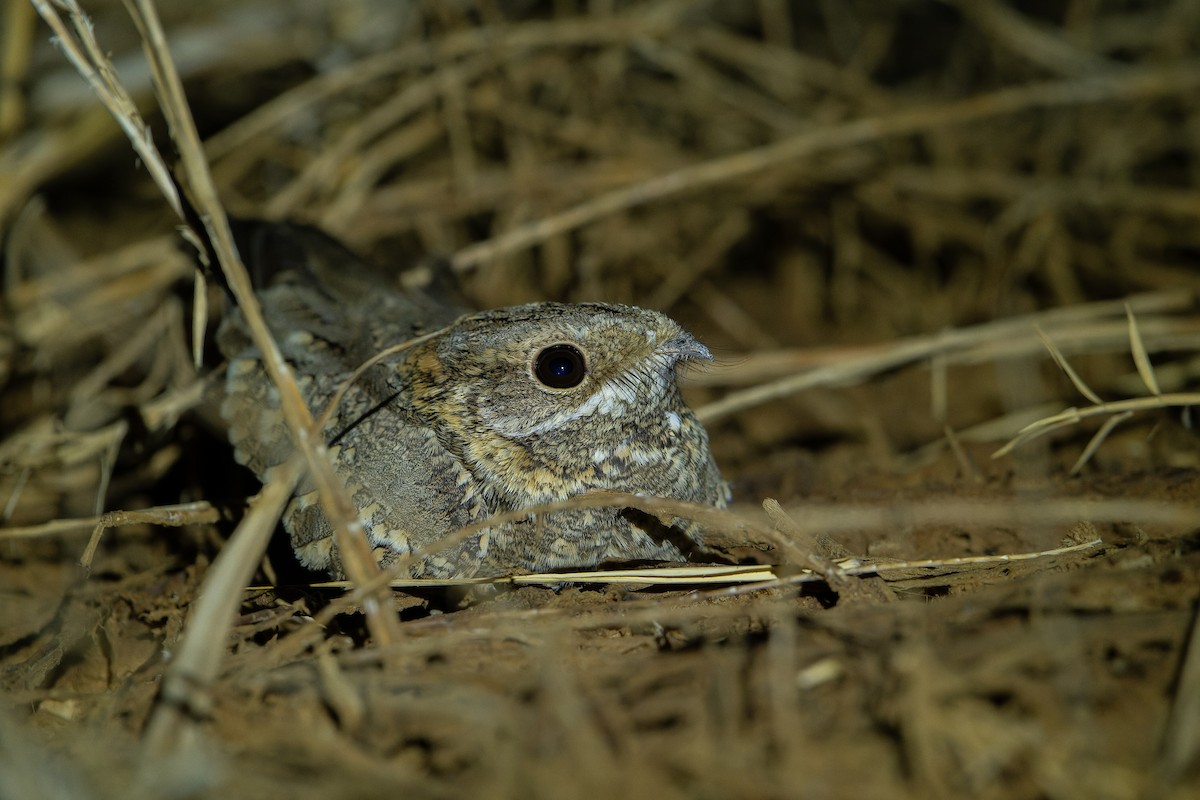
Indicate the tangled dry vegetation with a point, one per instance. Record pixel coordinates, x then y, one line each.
946 253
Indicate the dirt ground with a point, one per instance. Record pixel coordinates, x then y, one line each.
887 219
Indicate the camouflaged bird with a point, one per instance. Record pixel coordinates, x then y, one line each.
501 410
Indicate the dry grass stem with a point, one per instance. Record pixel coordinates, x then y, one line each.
1126 86
1061 361
958 346
760 574
734 525
185 697
1118 411
1180 747
167 516
355 552
1094 443
18 31
87 56
1073 416
1140 358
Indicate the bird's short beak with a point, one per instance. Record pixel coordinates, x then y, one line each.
682 346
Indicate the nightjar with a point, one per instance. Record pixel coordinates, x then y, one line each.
499 410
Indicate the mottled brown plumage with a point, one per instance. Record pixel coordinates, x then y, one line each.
504 409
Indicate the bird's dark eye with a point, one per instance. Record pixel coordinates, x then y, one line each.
560 366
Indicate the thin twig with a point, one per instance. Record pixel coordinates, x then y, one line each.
340 510
185 694
85 54
693 178
169 516
1073 416
752 574
918 348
